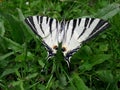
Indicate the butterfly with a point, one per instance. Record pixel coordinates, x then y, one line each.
71 34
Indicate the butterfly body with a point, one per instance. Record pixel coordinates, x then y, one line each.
71 34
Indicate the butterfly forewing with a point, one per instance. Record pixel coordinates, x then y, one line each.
92 28
78 31
47 29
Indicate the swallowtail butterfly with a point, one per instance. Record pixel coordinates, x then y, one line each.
70 33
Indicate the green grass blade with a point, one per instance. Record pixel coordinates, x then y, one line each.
9 44
79 83
3 57
2 28
109 11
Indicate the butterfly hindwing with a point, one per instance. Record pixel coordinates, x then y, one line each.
78 31
47 29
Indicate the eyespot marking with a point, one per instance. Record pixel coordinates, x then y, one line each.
64 49
55 47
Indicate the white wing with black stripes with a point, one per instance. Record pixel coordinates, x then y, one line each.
47 29
78 31
70 33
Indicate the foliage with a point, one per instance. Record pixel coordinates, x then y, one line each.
95 66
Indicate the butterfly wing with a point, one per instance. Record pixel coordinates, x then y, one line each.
47 29
78 31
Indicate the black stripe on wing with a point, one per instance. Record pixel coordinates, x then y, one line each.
82 33
74 25
70 53
79 21
50 24
88 22
91 20
50 51
47 20
85 26
40 25
101 26
30 22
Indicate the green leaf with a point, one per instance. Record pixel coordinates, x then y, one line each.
23 56
34 3
26 30
109 11
94 60
15 83
79 83
8 71
105 75
50 82
63 80
9 44
103 47
108 77
41 63
3 57
18 83
97 59
2 29
1 84
31 76
21 16
41 87
17 28
112 86
87 50
86 66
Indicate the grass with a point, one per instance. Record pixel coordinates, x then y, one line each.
96 66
